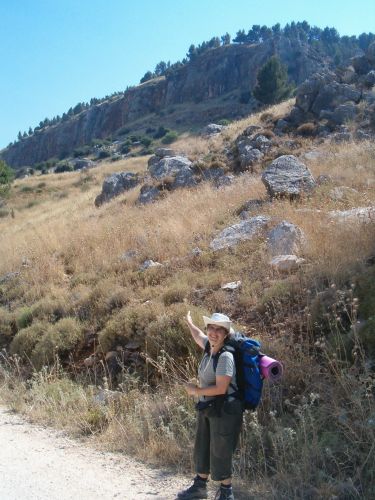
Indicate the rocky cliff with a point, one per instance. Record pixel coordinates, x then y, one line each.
224 70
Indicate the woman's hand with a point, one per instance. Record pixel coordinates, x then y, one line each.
191 389
188 318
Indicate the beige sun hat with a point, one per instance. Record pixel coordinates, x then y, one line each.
218 319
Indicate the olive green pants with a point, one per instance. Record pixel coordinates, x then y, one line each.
216 440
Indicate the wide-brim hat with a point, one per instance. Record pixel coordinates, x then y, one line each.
218 319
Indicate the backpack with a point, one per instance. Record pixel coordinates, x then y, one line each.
246 354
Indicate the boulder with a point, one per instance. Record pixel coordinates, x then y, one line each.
369 79
248 156
79 163
224 180
149 264
308 91
363 215
233 285
148 194
361 135
177 167
250 207
342 114
286 263
212 129
261 142
285 239
287 176
332 95
245 230
341 193
163 152
116 184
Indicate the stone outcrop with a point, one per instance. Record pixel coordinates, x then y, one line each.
287 177
285 239
245 230
363 215
335 96
116 184
229 69
286 263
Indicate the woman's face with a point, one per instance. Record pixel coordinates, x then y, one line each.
216 334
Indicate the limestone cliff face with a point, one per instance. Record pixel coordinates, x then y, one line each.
215 73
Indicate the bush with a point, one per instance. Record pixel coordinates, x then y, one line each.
7 327
26 339
146 141
64 167
308 129
24 318
82 151
161 131
103 154
127 325
60 339
170 137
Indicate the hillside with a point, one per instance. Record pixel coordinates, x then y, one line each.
74 296
213 84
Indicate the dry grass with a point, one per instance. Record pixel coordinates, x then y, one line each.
312 436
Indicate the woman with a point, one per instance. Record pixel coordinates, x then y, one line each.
219 412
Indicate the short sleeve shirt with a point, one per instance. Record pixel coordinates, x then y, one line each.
225 366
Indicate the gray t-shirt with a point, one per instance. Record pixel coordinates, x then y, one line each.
225 366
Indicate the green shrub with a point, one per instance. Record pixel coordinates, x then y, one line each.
59 339
174 295
224 122
103 154
146 141
64 167
170 137
161 131
367 337
26 339
128 324
24 318
7 327
26 189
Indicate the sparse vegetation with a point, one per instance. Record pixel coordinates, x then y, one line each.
76 296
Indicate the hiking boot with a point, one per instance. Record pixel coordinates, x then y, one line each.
224 494
197 490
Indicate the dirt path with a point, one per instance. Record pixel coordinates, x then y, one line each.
38 463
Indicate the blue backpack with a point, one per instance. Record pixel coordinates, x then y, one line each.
246 354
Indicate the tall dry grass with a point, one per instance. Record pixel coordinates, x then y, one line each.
313 435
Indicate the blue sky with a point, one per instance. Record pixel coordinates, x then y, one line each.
56 53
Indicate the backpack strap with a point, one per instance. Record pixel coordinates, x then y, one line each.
215 360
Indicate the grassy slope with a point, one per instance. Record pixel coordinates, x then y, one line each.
312 437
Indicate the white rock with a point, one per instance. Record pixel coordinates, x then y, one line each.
361 214
233 285
285 239
148 264
286 263
245 230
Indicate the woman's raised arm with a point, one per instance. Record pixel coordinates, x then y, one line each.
197 334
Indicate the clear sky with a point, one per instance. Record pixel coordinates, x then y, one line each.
56 53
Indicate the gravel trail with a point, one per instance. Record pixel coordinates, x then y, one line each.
38 463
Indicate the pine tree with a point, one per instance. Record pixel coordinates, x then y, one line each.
273 85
